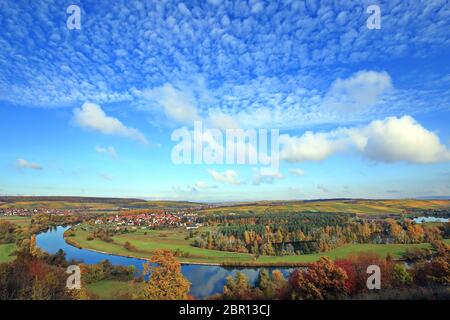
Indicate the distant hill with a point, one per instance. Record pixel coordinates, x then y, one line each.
66 202
10 199
434 198
356 206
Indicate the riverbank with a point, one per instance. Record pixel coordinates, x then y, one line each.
76 245
146 242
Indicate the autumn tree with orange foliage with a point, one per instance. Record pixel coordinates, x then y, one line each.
166 280
415 232
437 271
322 280
355 266
31 277
396 230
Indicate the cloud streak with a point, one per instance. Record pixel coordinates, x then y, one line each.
298 172
22 163
228 177
92 117
109 151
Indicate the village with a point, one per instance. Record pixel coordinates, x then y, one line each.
26 212
150 219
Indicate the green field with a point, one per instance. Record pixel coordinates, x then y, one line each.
396 250
147 244
363 207
56 205
175 239
5 252
21 221
110 289
88 202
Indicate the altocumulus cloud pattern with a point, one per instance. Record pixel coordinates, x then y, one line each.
280 63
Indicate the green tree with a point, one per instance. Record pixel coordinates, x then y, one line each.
271 286
400 276
238 288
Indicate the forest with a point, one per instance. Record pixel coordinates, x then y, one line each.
305 233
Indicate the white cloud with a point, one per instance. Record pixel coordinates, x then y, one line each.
298 172
229 176
110 151
361 89
22 163
257 8
390 140
183 9
260 177
176 104
184 189
222 121
91 116
401 139
203 185
311 146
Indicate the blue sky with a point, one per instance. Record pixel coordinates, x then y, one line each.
361 112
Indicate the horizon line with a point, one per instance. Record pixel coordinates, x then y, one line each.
148 199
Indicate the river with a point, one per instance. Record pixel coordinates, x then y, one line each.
205 280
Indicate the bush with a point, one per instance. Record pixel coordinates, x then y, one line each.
414 254
128 246
106 238
322 280
400 276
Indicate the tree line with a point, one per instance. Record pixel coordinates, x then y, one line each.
305 233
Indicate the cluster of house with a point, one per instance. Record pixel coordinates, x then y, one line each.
152 220
23 212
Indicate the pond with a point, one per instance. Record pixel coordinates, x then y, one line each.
429 219
205 280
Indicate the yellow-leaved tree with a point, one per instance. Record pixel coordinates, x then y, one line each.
166 281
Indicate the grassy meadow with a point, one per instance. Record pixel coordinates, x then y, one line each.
5 252
110 289
20 221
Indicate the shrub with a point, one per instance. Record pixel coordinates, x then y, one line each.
322 280
128 246
414 254
400 276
